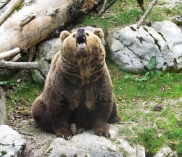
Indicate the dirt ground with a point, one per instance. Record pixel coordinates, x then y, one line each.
37 141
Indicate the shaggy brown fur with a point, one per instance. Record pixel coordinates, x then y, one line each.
78 88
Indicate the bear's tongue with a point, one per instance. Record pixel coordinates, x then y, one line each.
81 46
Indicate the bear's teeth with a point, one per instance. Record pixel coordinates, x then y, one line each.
81 46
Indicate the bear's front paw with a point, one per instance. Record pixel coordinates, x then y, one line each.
102 132
64 133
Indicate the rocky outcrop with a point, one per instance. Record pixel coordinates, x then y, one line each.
11 143
87 144
132 48
3 115
83 145
166 152
45 52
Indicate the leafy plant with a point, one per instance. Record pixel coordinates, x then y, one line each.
152 63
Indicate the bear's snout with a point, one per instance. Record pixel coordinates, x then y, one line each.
81 39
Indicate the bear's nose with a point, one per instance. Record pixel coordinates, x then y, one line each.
80 31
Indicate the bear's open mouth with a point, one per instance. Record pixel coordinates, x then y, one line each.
81 42
81 39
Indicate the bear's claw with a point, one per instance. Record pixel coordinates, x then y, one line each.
114 120
101 133
63 133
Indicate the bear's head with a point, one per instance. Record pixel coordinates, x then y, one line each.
82 55
82 43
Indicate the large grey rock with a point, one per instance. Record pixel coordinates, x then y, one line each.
44 55
84 144
3 115
132 48
90 145
11 143
137 151
170 3
166 152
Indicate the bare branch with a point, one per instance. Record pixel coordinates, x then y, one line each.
105 8
10 10
16 58
18 65
146 13
9 53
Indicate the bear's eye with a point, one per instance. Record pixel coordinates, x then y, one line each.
73 35
87 34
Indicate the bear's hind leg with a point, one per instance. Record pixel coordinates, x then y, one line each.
41 116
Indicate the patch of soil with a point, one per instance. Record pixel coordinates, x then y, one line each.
37 141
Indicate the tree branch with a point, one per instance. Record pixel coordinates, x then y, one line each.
18 65
104 8
9 53
146 13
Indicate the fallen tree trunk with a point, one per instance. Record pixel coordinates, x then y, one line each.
34 23
33 30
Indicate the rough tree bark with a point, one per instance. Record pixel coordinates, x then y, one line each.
34 23
10 10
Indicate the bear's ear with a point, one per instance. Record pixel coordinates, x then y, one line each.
64 35
99 32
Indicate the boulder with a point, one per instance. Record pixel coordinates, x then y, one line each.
166 151
88 144
3 115
132 48
11 143
137 151
45 52
84 144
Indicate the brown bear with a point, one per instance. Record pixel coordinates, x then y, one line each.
78 87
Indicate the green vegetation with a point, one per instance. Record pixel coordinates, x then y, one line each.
137 99
125 12
21 91
147 102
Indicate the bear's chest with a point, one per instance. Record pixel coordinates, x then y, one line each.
85 97
83 71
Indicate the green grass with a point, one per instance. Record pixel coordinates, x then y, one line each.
137 99
125 12
130 86
21 90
